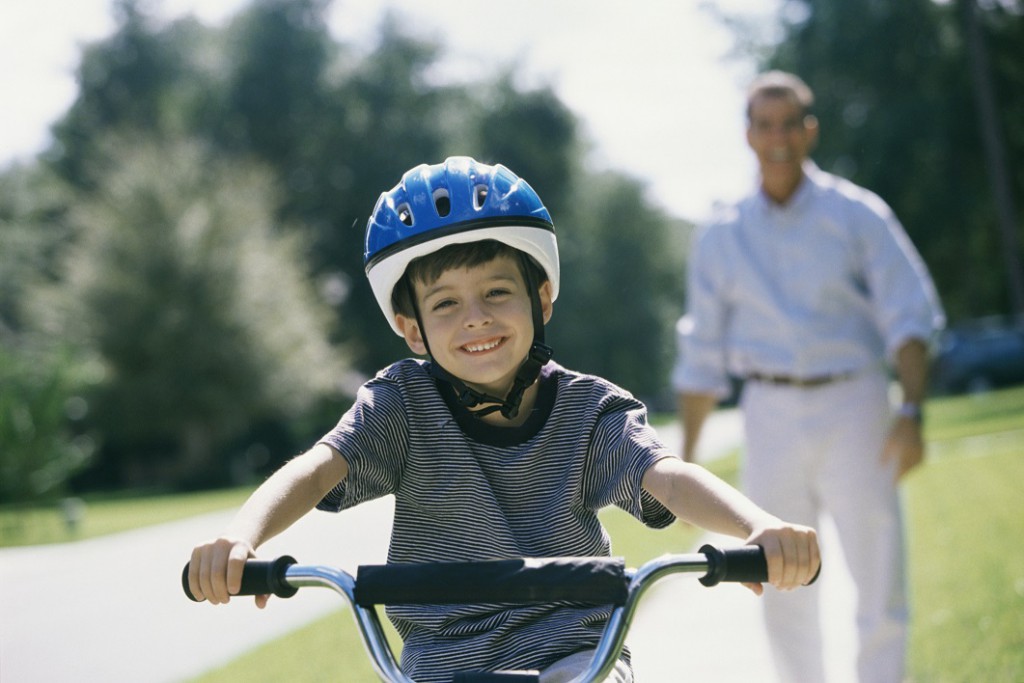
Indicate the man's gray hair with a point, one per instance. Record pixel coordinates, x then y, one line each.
781 84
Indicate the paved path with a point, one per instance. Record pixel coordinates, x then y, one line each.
111 610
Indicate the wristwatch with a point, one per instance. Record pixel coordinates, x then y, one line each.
910 410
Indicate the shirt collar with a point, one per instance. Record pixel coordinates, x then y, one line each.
810 181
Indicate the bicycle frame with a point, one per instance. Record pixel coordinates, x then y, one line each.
592 580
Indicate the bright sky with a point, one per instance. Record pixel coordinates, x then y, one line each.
649 80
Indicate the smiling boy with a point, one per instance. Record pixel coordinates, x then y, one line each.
490 450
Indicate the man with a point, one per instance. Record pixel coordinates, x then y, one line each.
806 290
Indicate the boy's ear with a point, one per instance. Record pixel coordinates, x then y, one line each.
547 306
413 336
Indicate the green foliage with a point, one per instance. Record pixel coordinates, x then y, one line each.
622 279
130 81
39 451
32 238
40 379
181 286
535 135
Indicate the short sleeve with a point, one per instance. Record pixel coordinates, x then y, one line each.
622 448
373 437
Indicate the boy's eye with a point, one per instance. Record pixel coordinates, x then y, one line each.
442 304
498 291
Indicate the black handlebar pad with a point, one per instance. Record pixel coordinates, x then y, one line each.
595 581
259 577
745 563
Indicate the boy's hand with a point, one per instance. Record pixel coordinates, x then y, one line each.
215 571
792 554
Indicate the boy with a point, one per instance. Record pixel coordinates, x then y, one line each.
490 450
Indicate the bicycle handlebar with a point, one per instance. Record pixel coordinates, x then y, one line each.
522 581
596 580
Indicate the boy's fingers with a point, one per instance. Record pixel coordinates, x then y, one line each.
792 557
194 567
791 552
815 559
218 573
773 558
804 567
235 565
203 563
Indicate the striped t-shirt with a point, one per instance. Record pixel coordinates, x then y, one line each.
466 490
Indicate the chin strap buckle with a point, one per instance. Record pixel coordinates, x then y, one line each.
529 371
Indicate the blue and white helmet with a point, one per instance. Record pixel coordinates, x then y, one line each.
458 201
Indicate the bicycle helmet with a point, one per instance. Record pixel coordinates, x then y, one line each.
460 200
455 202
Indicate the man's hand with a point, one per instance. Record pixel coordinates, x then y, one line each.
904 446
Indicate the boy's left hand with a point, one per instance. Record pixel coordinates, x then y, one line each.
792 554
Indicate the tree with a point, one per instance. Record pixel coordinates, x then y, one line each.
533 133
41 446
131 80
184 289
622 275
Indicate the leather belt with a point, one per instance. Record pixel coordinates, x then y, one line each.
799 382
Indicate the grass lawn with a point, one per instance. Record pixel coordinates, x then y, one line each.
108 514
966 527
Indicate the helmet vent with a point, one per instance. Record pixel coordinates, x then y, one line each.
442 202
405 214
479 196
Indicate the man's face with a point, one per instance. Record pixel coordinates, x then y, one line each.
781 136
478 322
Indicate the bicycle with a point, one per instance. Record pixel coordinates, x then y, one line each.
593 580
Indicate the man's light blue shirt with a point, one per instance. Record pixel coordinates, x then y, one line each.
828 283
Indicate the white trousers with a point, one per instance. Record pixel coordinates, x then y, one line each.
814 450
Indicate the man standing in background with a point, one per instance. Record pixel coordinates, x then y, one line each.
807 290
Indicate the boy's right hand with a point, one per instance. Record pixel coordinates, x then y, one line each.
215 571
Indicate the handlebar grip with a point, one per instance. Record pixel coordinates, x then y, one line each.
744 564
259 577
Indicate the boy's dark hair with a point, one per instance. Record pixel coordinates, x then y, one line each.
427 269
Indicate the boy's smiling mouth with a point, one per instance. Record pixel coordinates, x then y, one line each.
482 346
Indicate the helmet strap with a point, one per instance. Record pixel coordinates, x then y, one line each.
528 372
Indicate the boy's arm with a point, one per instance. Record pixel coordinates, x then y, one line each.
697 496
215 571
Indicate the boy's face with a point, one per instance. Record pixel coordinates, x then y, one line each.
478 321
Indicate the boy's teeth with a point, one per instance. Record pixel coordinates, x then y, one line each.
481 347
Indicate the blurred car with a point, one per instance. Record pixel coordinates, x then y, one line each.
979 355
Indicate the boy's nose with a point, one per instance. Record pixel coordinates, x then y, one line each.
477 314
